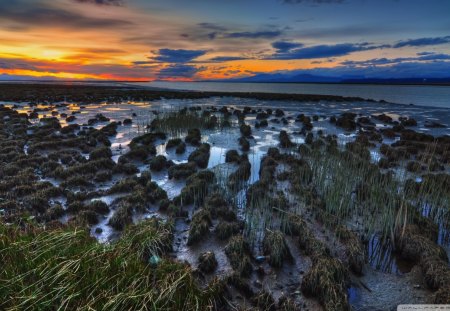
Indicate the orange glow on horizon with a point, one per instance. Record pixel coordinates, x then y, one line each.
67 75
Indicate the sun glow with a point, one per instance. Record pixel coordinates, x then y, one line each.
51 54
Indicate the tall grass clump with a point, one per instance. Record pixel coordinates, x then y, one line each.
176 123
351 186
347 187
327 280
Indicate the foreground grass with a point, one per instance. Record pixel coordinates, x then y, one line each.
66 269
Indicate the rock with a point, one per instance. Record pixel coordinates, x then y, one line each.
154 261
260 259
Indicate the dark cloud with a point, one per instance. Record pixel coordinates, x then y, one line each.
179 71
185 57
17 63
212 26
435 57
176 56
269 34
103 2
330 60
144 62
287 50
208 30
230 72
35 15
422 42
376 61
425 53
349 31
227 58
422 57
284 46
322 51
303 20
212 35
214 31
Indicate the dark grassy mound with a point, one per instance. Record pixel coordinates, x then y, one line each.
238 252
183 170
276 248
201 222
207 262
194 137
285 141
200 156
158 163
327 280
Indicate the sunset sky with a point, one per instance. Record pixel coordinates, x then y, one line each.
223 39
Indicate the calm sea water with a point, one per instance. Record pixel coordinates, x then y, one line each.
423 95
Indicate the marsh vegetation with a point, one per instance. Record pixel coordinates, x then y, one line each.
220 207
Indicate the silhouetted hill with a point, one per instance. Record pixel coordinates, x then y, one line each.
309 78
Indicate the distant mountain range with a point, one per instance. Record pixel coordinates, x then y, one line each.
281 77
309 78
261 78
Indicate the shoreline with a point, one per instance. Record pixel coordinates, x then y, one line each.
19 92
91 93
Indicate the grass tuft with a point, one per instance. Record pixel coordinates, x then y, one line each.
66 269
